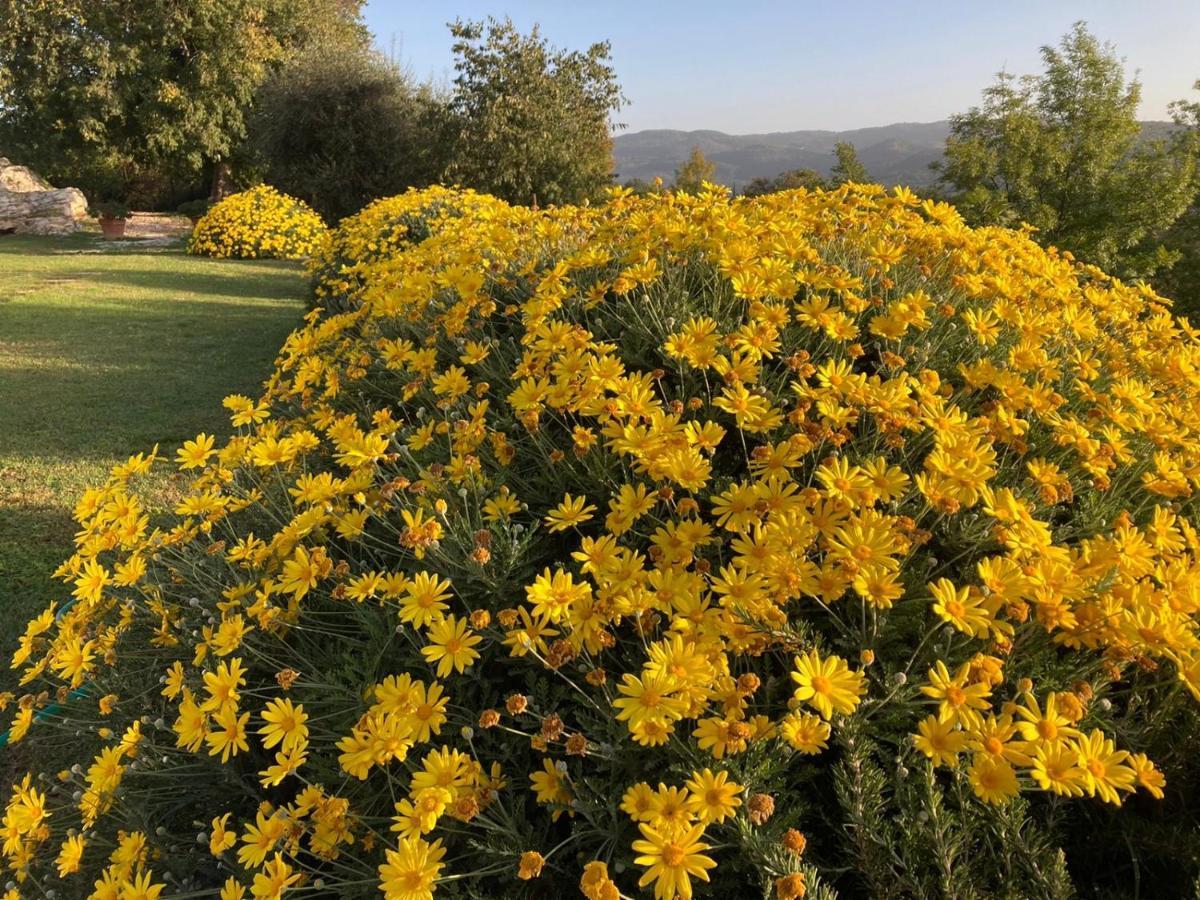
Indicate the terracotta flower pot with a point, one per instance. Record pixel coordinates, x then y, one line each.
112 228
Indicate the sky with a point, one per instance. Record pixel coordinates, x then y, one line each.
746 66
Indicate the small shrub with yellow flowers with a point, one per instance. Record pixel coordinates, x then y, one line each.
379 231
809 545
259 223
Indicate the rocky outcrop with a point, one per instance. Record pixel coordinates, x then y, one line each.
29 205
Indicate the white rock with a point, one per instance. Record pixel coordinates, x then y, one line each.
21 179
29 205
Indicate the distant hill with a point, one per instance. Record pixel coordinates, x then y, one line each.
893 154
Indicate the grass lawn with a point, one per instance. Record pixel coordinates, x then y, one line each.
103 355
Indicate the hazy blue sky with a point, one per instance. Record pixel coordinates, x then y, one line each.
747 65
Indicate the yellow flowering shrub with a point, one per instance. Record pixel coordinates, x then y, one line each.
259 223
814 543
380 230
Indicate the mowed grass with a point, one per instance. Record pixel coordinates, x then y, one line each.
103 355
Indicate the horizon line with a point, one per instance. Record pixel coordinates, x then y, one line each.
627 131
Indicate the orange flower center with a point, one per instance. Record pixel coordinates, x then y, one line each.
672 855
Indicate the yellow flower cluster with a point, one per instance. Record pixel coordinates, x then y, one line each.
259 223
553 506
379 231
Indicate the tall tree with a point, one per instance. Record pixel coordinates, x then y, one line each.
848 166
694 171
108 94
339 127
1182 281
533 121
1064 152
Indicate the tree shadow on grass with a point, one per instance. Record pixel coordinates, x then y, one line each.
164 276
128 410
37 245
85 324
112 380
34 540
253 279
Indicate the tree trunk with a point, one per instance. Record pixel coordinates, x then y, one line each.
222 181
